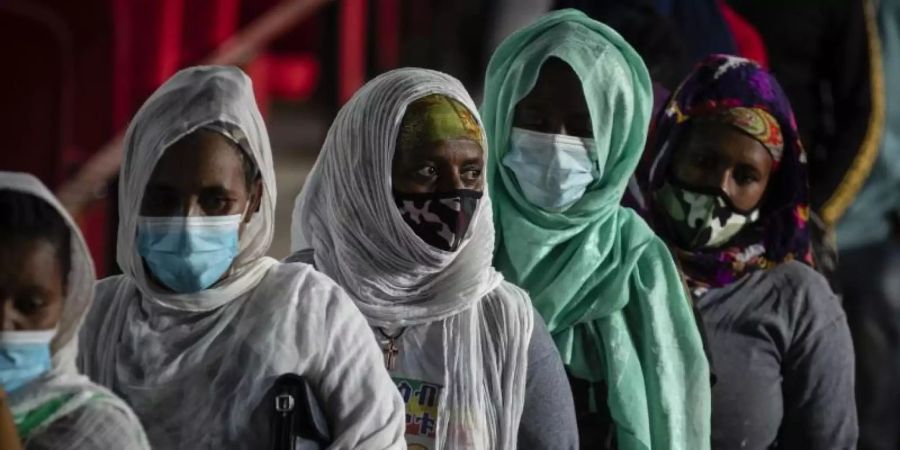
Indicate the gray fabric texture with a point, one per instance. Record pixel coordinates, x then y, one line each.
784 361
548 420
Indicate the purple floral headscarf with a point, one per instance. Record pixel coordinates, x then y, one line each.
719 83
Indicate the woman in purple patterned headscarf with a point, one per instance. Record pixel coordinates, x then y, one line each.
727 190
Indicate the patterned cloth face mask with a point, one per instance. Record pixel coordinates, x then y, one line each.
702 217
441 219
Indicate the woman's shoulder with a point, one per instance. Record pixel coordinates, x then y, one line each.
804 294
301 274
305 256
802 280
301 267
304 288
106 288
790 278
508 295
511 306
100 419
109 294
103 405
797 271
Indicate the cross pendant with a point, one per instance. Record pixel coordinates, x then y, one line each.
390 351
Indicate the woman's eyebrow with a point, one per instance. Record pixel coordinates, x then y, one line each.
35 291
704 147
416 162
580 114
752 168
216 190
160 188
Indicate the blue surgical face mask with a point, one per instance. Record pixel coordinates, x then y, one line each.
24 356
188 254
553 170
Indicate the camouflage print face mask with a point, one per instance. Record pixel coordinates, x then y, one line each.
700 217
440 219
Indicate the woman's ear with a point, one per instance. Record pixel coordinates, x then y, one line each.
256 191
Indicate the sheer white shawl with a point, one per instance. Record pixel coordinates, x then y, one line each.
346 214
196 367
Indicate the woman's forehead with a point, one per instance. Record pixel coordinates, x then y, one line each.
436 118
199 157
726 141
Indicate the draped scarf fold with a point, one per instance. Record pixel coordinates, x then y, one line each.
605 284
347 215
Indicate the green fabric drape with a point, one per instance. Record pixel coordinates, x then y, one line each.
604 282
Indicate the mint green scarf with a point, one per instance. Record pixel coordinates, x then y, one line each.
604 283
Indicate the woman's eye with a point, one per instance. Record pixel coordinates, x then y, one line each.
216 204
531 119
161 204
745 177
580 128
427 171
30 304
472 174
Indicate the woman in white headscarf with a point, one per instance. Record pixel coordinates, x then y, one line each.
46 287
396 211
201 323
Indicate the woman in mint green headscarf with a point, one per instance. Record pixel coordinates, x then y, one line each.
566 111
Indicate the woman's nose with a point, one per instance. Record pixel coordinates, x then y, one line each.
191 207
450 181
726 182
713 179
723 180
9 318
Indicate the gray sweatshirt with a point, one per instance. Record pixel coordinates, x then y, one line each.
784 361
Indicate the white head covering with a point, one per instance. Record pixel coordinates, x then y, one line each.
347 215
346 212
196 367
195 98
107 419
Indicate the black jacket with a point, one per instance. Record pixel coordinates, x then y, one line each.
820 51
